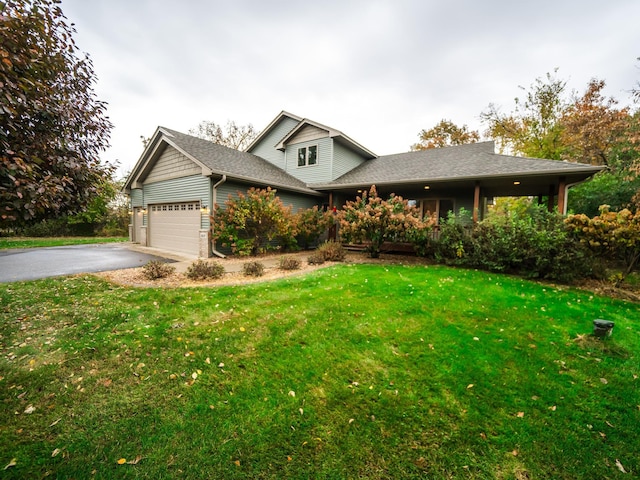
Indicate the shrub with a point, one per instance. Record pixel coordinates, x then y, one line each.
289 263
316 258
332 251
202 270
372 220
253 269
156 269
250 223
453 243
311 224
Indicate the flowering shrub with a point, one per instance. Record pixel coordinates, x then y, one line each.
310 224
615 235
248 224
372 220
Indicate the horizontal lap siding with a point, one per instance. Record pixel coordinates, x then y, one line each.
297 201
137 197
172 164
344 160
267 146
319 173
185 189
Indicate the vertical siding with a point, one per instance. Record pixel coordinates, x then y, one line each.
344 160
185 189
319 173
267 146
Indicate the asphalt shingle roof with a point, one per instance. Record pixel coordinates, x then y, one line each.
234 163
475 160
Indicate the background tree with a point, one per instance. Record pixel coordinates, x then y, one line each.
52 127
594 130
444 134
232 135
533 128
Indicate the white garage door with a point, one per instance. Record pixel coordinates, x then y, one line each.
175 227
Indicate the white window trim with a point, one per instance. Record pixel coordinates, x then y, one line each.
306 156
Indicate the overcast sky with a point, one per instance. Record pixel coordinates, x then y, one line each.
379 71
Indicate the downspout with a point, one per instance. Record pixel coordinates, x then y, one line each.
214 197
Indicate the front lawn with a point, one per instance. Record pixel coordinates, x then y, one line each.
353 371
30 242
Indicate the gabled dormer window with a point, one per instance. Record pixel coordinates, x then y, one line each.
308 156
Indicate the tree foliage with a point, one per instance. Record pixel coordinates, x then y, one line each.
232 135
444 134
52 127
532 129
372 220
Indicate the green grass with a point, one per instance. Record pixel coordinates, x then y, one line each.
30 242
363 371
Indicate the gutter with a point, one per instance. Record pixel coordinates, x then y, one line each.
214 198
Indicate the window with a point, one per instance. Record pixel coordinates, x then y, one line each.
308 156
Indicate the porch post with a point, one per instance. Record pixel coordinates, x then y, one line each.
333 231
562 195
476 202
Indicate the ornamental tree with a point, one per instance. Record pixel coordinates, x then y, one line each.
52 127
370 219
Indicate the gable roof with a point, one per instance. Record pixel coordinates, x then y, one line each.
270 127
215 159
332 132
457 163
337 135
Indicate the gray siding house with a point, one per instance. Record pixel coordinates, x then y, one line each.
180 179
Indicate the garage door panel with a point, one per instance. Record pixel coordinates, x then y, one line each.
175 227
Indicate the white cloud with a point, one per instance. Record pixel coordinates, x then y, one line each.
378 70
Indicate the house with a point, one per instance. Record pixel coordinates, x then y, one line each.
179 179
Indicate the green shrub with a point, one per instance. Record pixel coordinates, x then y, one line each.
253 269
332 251
289 263
310 224
454 242
316 258
156 269
203 269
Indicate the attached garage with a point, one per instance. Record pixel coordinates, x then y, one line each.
175 227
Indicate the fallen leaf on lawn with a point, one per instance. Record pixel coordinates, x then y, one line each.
553 408
476 339
470 386
55 453
289 458
292 393
12 463
603 435
55 423
30 409
514 453
121 461
194 375
237 462
604 380
242 329
620 467
483 435
207 361
351 420
220 365
520 415
301 411
135 462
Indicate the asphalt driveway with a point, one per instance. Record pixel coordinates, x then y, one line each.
35 263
